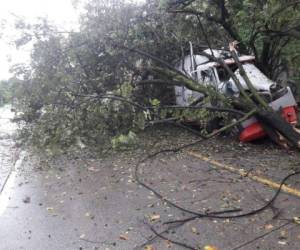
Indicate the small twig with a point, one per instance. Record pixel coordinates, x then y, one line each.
98 242
195 217
153 238
209 108
262 236
178 243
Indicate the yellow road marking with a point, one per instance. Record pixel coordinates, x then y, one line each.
244 173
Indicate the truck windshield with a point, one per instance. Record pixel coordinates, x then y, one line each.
206 77
223 74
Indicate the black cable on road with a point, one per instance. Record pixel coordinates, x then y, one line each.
262 236
198 214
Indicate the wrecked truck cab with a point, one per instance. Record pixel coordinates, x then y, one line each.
210 73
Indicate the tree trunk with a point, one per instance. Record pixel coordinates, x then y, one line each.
274 121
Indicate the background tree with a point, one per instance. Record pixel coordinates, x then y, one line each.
268 29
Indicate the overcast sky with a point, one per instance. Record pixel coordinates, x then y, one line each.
61 12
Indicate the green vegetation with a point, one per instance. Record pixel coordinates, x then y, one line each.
87 84
6 92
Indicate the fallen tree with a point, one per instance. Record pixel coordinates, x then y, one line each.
115 76
279 130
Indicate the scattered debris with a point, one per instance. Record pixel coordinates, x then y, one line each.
209 247
296 220
154 217
194 230
27 199
123 237
149 247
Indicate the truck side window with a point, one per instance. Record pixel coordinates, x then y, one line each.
206 76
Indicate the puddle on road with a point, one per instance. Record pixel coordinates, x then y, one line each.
7 128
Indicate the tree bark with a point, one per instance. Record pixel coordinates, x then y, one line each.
276 122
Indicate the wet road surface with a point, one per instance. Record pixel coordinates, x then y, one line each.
82 202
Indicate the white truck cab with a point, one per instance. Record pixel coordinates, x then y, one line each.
206 72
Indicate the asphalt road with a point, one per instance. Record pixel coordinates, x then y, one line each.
79 201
